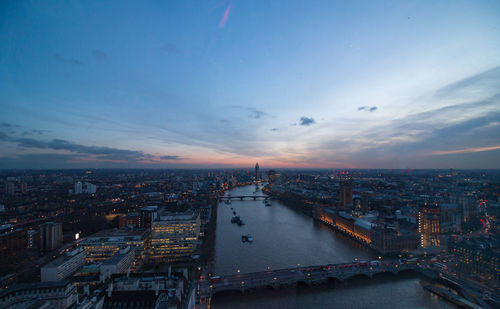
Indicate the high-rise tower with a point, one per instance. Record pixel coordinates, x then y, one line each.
257 173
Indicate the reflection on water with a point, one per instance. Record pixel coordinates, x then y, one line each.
285 238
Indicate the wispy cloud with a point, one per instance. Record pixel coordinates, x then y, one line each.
466 150
170 158
225 17
72 61
99 55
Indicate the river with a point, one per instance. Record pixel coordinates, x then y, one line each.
285 238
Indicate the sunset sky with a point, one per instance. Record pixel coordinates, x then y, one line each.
330 84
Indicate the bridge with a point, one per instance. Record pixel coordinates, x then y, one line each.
310 275
242 197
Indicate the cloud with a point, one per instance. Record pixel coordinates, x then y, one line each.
224 121
9 125
170 48
225 17
99 55
306 121
257 114
367 108
275 129
254 113
467 150
170 158
3 135
488 80
72 61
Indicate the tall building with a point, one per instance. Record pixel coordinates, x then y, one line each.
174 236
147 215
51 236
345 192
257 172
78 187
429 226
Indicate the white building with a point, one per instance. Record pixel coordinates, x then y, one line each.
90 188
119 263
78 187
64 266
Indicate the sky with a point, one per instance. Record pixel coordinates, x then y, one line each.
299 84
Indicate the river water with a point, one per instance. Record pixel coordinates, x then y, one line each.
286 238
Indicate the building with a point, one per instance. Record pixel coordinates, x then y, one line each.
33 240
345 193
104 244
64 266
51 236
133 219
174 236
478 258
148 291
13 244
89 188
78 187
148 214
10 188
355 227
388 240
119 263
436 223
257 171
58 295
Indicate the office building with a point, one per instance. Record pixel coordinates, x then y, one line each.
64 266
257 171
119 263
104 244
174 236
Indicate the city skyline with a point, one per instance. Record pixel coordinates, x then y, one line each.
230 83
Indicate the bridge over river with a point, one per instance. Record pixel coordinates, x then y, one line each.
310 275
242 197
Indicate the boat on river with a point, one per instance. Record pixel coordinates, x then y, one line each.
246 238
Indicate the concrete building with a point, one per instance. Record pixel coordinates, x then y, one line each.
78 187
119 263
174 236
51 236
64 266
104 244
58 295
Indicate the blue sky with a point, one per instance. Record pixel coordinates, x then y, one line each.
357 84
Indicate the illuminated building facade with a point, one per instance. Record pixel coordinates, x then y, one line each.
479 258
103 245
429 226
174 236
